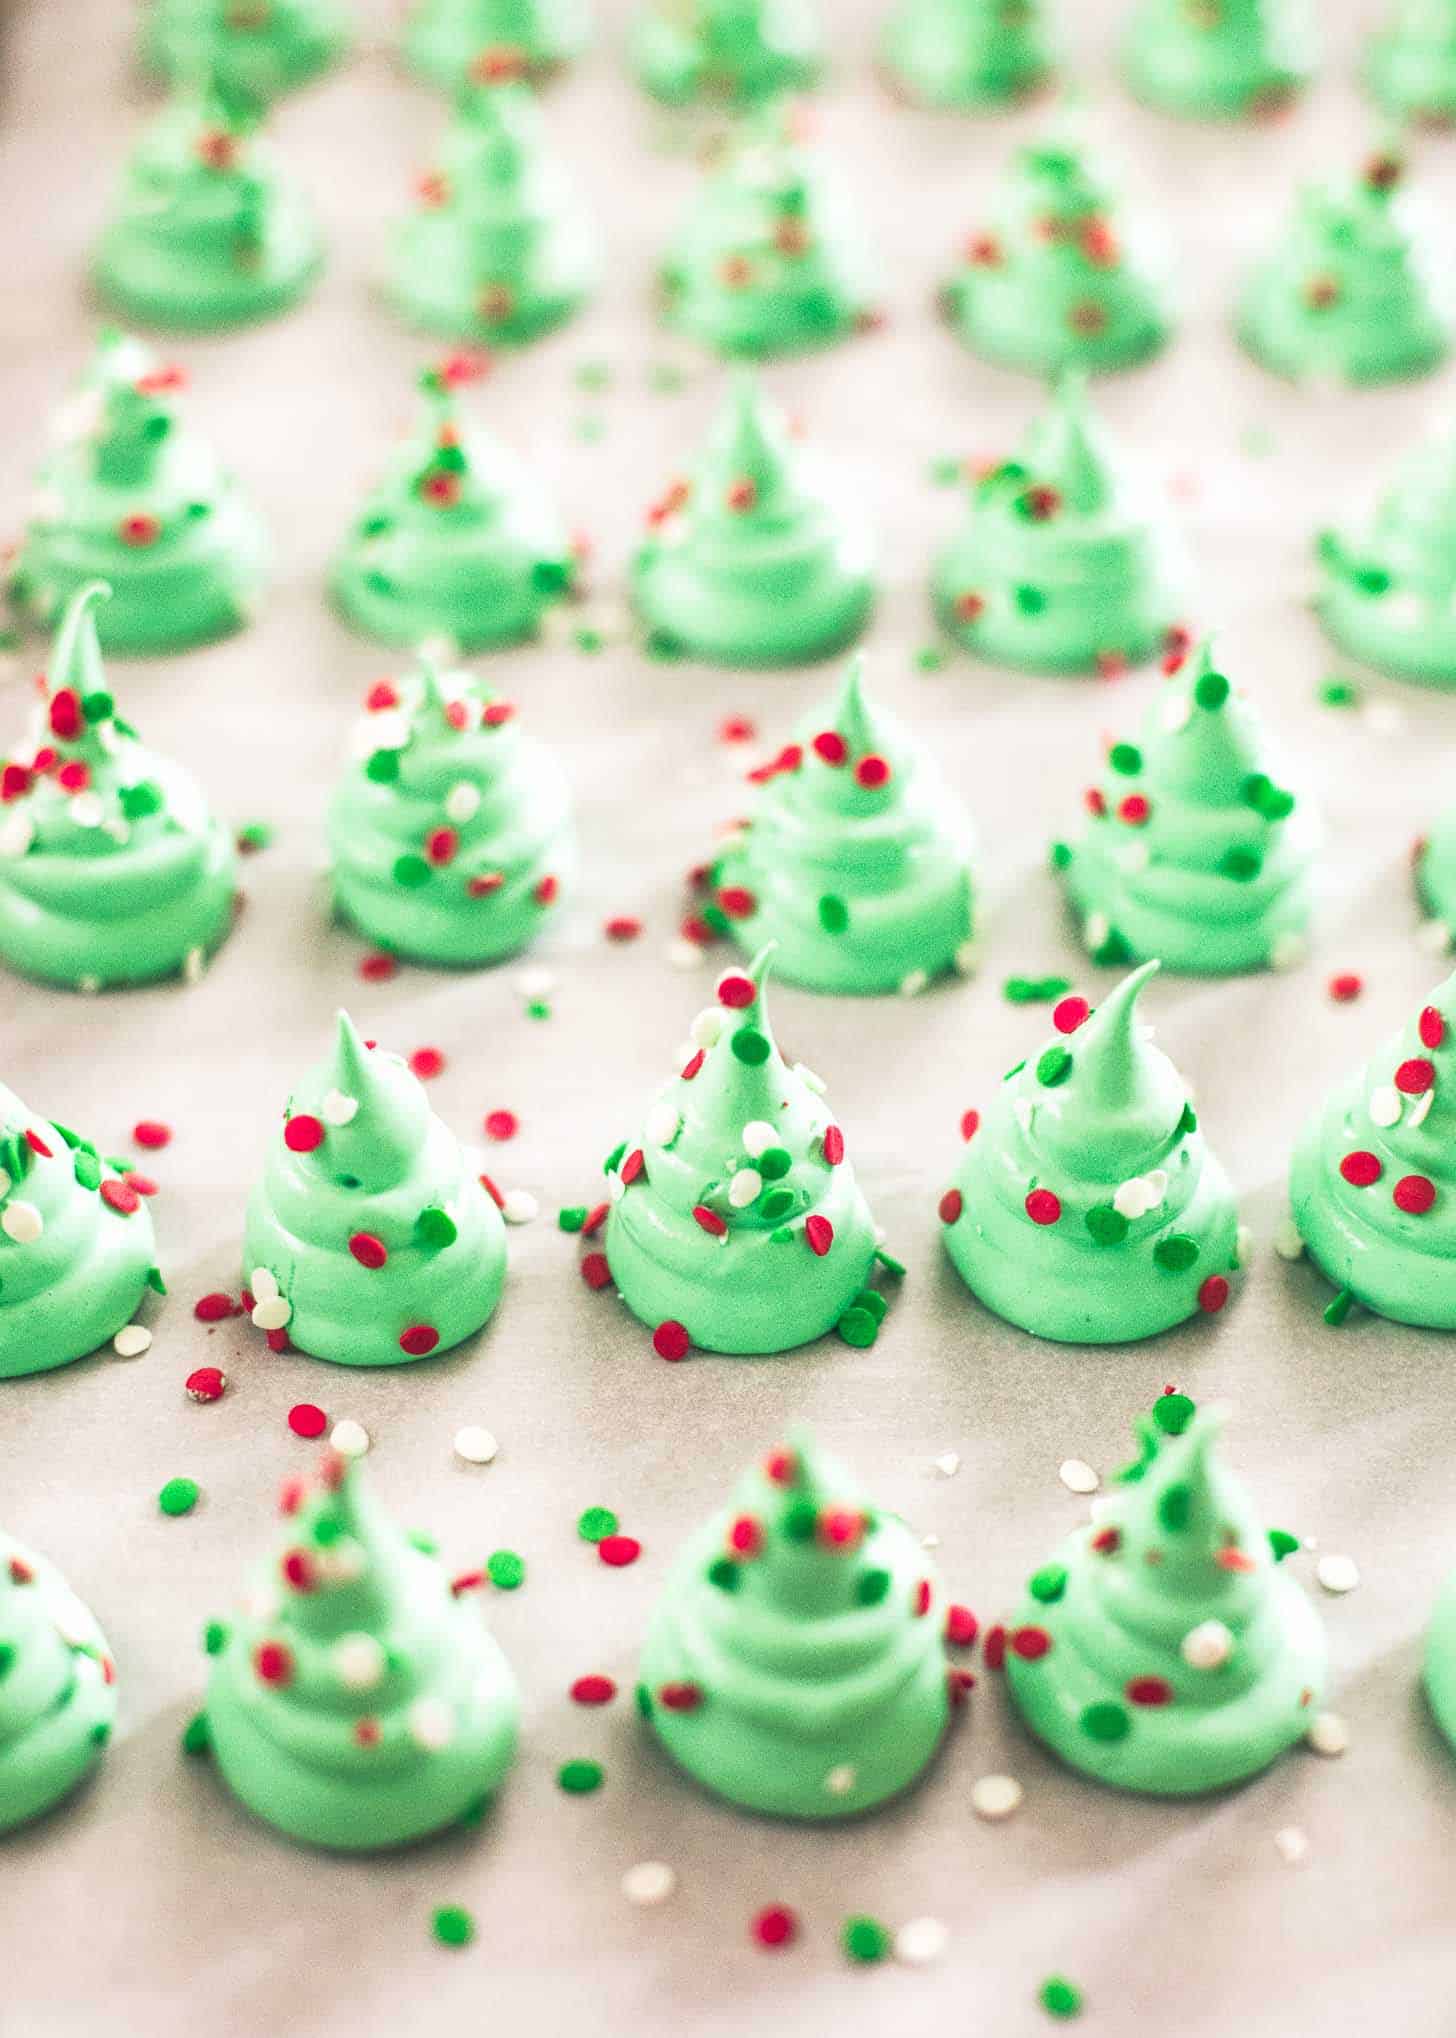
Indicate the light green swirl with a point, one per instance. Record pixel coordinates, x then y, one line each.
1388 592
740 50
57 1687
965 54
1220 59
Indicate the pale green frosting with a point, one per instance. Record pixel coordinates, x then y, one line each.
456 542
752 1282
727 49
1353 290
372 1163
1060 276
72 1266
1435 870
499 248
969 53
1192 852
57 1685
450 42
1182 1657
772 258
863 887
1088 1208
206 234
130 496
1411 62
794 1663
451 834
1440 1663
356 1702
112 868
260 48
1388 591
1220 59
760 559
1065 559
1386 1132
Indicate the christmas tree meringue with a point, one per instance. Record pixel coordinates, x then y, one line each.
1387 592
370 1239
855 859
771 259
256 48
727 49
1087 1207
498 249
112 869
969 53
795 1662
206 234
1220 59
759 559
77 1252
451 836
1353 292
456 542
130 496
357 1701
1060 277
57 1683
1372 1190
1411 60
1067 562
460 42
1165 1649
736 1223
1193 853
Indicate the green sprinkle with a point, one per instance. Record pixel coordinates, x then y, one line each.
1372 580
98 707
7 1658
833 914
1175 1507
614 1159
179 1496
581 1777
872 1300
774 1163
1048 1584
137 801
930 658
1030 601
506 1569
1059 856
1336 1311
750 1046
800 1521
1060 1997
1106 1722
1338 693
538 1009
1035 990
1127 758
87 1169
588 641
1173 1413
1175 1255
420 1539
197 1735
1187 1123
1054 1067
663 646
435 1229
890 1264
858 1328
1241 864
255 835
411 871
595 1522
453 1926
572 1218
475 1811
1283 1544
865 1940
725 1574
551 576
214 1637
774 1204
643 1698
1212 690
1106 1225
382 767
871 1587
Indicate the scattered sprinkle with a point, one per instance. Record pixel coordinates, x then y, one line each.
208 1383
776 1925
474 1445
619 1551
649 1883
865 1940
948 1464
1078 1476
581 1777
1292 1843
921 1942
501 1124
305 1419
593 1689
996 1797
179 1496
349 1438
595 1523
131 1341
1328 1734
1346 987
1060 1997
426 1062
506 1570
453 1926
1337 1574
151 1133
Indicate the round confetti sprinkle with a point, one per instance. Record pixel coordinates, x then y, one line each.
131 1341
303 1133
775 1925
619 1551
1346 987
427 1062
648 1883
151 1133
593 1523
581 1777
1060 1997
419 1339
996 1797
1328 1734
594 1689
1414 1194
453 1926
921 1942
1043 1206
1337 1574
208 1383
865 1940
307 1420
595 1271
501 1124
951 1204
179 1496
214 1308
1213 1294
1078 1476
349 1438
670 1340
506 1570
474 1445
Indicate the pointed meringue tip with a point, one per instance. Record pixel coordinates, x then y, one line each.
77 646
852 708
348 1047
759 968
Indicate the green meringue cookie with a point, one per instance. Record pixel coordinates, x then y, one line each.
1067 562
1353 291
758 560
206 234
855 859
1192 852
498 249
356 1702
1220 59
1164 1649
794 1664
740 50
130 496
57 1683
454 42
1060 278
735 1214
1411 61
1388 592
451 836
370 1238
966 54
1373 1189
771 259
112 869
1088 1208
77 1251
260 48
456 542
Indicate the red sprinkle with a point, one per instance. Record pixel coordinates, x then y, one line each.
833 1146
214 1307
820 1234
1070 1013
143 1184
120 1196
619 1551
736 991
546 890
745 1537
277 1340
711 1222
303 1133
426 1062
206 1384
377 969
694 1065
441 845
1432 1028
37 1145
872 772
680 1697
1213 1294
736 729
1030 1644
775 1926
368 1250
622 927
502 1124
307 1420
1043 1206
493 1191
1414 1077
1149 1691
830 747
1414 1194
273 1663
1360 1169
595 1219
632 1166
595 1271
594 1689
920 1598
1346 987
419 1339
970 1124
951 1205
65 713
994 1651
737 902
1135 810
670 1340
151 1133
961 1626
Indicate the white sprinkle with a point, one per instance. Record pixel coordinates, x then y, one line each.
349 1438
474 1445
648 1883
930 1542
996 1797
462 802
1135 1198
519 1206
664 1123
684 954
87 811
1292 1843
841 1779
131 1341
359 1661
616 1187
1078 1476
1287 1241
17 835
261 1284
272 1313
744 1188
338 1109
948 1464
921 1941
1421 1109
536 982
1337 1574
88 986
118 830
1243 1240
758 1135
193 965
914 983
707 1026
22 1222
1208 1646
387 730
1288 950
967 959
1328 1734
260 1602
1095 930
1385 1106
431 1724
1433 937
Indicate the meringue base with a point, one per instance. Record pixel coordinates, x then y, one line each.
154 286
891 942
1364 626
1236 929
45 1762
468 934
84 950
1074 632
159 602
482 605
995 319
1384 1276
99 1292
739 627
